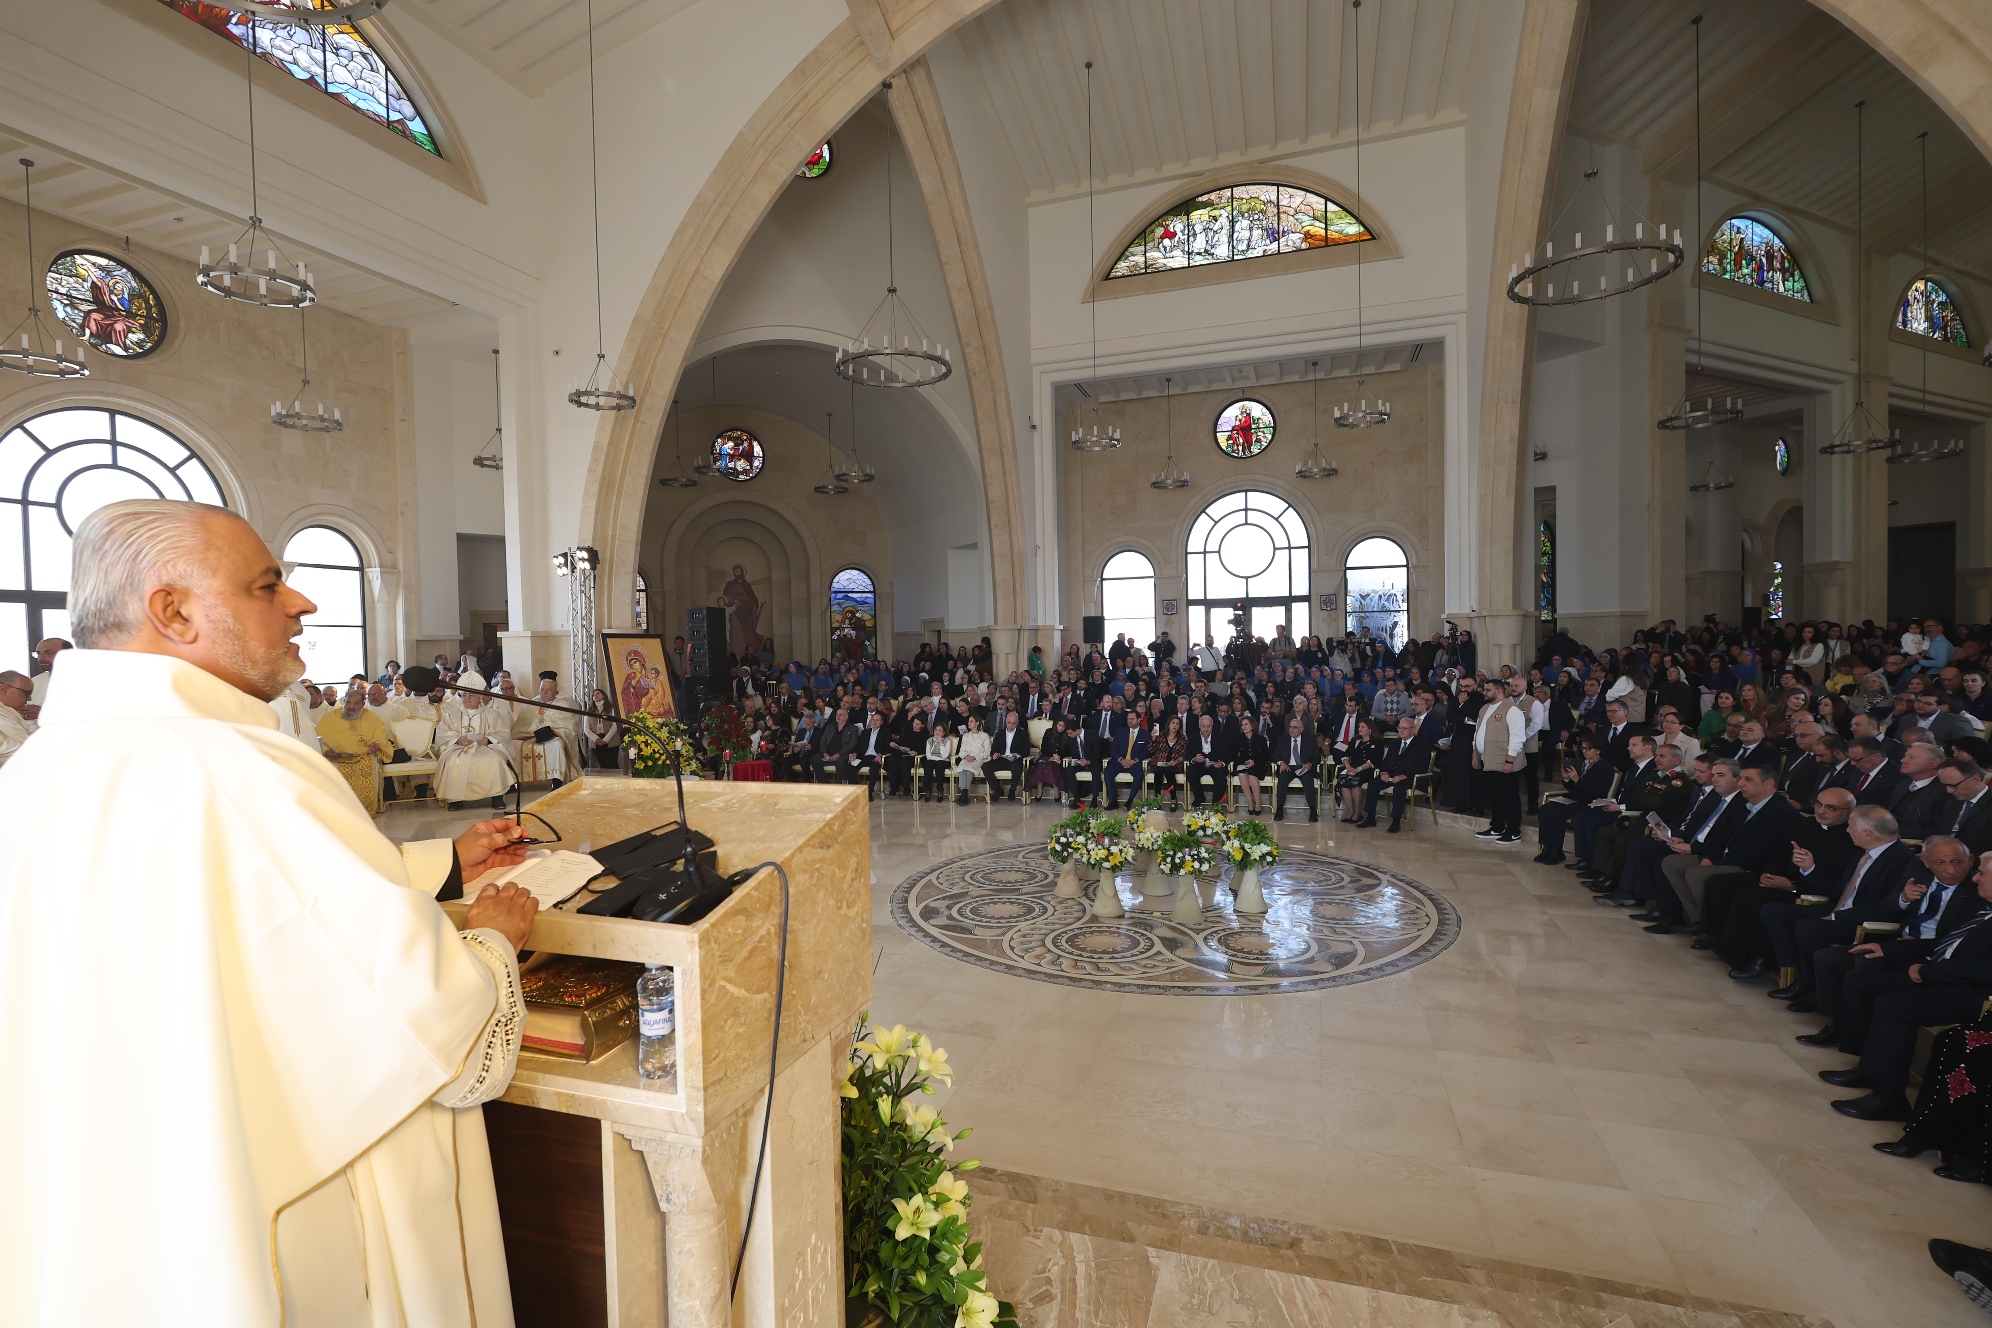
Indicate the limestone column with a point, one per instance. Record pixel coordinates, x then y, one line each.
1974 552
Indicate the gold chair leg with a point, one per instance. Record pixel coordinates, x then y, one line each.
1787 976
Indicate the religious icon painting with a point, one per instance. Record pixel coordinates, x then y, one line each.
817 166
106 303
737 455
1244 428
637 668
1169 608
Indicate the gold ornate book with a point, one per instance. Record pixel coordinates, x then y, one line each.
579 1008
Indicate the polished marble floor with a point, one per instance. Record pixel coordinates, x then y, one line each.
1556 1090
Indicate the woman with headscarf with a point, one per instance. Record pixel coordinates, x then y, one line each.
1872 696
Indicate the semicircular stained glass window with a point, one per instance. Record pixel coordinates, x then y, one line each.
106 303
1244 428
1238 222
817 166
737 455
1928 310
1746 251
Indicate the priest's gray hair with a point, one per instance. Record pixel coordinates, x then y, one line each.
123 550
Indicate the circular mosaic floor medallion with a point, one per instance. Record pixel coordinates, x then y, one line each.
1329 921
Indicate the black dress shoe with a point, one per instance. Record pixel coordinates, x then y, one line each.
1614 900
1849 1078
1648 916
1786 993
1874 1106
1664 927
1544 856
1969 1172
1970 1266
1702 943
1751 971
1805 1004
1600 885
1828 1036
1907 1146
1578 865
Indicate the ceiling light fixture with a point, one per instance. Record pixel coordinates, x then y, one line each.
274 285
1170 477
1315 466
1952 448
603 390
297 418
677 477
1685 414
883 353
1860 431
1097 437
40 351
1713 481
857 472
704 466
492 455
332 16
1360 416
832 486
1909 454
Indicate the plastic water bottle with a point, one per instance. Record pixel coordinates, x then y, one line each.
656 1023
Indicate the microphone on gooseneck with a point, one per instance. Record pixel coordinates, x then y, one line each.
422 681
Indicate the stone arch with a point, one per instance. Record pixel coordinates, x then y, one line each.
795 566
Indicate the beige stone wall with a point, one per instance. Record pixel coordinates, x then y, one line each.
1390 484
807 536
211 384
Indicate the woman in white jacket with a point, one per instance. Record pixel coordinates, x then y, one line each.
969 756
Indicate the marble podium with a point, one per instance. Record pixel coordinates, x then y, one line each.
676 1159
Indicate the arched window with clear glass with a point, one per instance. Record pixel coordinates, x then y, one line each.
329 573
1377 589
1127 598
1247 549
56 469
853 615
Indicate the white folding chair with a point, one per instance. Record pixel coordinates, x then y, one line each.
417 737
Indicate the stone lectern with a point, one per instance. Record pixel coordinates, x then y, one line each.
673 1162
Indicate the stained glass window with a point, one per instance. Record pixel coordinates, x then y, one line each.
642 603
1748 251
336 59
737 455
817 166
853 615
105 303
1781 454
56 469
1237 222
1774 594
328 572
1244 428
1127 598
1927 310
1379 589
1546 571
1247 549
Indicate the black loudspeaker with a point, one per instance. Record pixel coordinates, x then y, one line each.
705 642
1094 628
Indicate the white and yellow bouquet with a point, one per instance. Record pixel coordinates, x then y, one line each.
1251 844
659 747
1105 852
1206 821
1140 808
1068 837
1149 838
1182 853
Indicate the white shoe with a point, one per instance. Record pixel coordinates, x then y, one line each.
1509 839
1489 833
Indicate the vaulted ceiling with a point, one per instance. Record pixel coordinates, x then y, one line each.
533 44
1181 85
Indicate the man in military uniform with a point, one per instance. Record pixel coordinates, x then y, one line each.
1667 789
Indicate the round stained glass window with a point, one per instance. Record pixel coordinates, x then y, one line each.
107 304
1782 453
1244 428
817 166
736 454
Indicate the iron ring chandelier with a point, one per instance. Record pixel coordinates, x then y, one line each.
1664 258
1707 417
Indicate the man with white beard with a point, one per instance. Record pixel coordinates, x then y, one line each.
471 758
309 1150
558 750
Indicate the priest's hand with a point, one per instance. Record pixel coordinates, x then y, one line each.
505 909
490 844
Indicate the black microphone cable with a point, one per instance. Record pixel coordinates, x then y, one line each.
774 1052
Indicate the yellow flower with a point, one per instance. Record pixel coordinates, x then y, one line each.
887 1046
915 1217
845 1088
948 1194
925 1124
978 1311
933 1060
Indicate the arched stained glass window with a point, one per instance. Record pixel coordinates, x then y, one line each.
853 615
1745 250
1928 310
1127 598
1379 589
330 575
1546 570
1237 222
1247 553
56 469
817 166
1774 594
642 602
106 303
337 59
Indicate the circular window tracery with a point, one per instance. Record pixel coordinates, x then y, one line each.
737 455
1244 428
106 303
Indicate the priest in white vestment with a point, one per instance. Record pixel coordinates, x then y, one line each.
561 752
471 757
15 689
298 711
245 1046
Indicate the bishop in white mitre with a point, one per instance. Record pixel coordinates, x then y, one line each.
246 1045
471 755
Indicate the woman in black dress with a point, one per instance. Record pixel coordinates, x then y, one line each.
1364 757
1457 762
1251 762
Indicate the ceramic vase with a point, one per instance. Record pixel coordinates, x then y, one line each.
1189 904
1106 898
1068 886
1246 895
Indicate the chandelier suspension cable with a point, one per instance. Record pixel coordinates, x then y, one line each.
603 390
1861 432
882 354
35 355
704 466
274 287
1096 439
1951 448
1686 414
833 485
1362 417
1315 466
857 472
492 455
1170 478
297 418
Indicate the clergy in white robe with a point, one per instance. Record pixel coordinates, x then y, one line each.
383 707
471 756
560 754
246 1044
15 689
298 711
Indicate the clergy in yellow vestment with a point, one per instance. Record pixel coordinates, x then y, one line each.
245 1047
356 742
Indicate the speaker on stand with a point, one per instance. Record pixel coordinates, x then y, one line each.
705 661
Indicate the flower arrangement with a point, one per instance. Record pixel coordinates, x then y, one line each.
726 731
1068 837
1104 849
1139 808
1251 844
907 1250
1206 821
1148 838
659 747
1182 853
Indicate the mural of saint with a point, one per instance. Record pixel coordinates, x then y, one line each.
743 614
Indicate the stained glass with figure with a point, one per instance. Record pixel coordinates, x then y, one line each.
1237 222
1928 311
1749 252
1774 594
1546 571
1244 428
1781 456
737 455
337 59
818 164
106 303
853 615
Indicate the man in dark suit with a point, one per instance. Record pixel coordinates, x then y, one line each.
1804 773
1009 749
1406 760
1864 892
1128 757
1879 777
1426 729
1731 905
1615 735
1755 750
1586 821
1642 878
1760 833
1923 982
1089 760
1972 821
1840 771
1921 805
1296 758
1208 772
1585 780
1663 789
834 745
1863 726
1937 899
